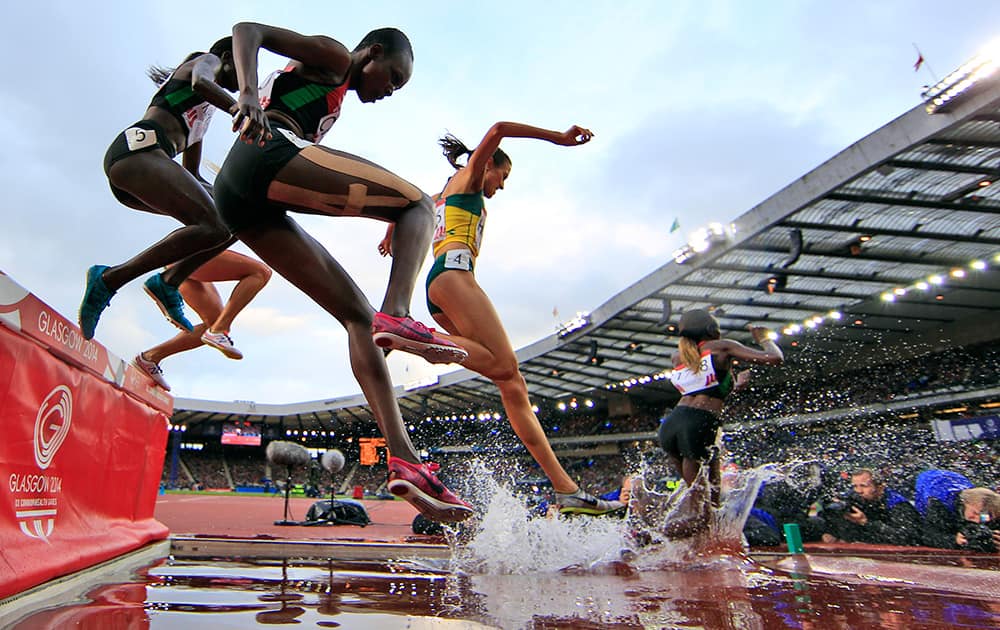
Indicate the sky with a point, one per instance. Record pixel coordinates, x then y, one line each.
700 109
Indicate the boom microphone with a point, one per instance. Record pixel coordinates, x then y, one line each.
289 454
333 461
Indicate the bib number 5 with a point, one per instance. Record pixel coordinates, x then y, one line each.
139 138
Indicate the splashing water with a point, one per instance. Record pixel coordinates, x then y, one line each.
507 540
661 528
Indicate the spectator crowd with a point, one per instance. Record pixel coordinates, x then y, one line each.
867 469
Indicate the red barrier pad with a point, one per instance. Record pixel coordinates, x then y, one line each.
82 441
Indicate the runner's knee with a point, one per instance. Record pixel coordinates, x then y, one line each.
260 275
505 373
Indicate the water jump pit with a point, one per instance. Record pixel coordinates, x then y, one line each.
74 554
510 571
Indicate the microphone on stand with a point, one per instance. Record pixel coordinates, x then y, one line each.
332 461
288 454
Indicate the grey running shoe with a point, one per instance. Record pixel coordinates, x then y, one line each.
581 502
153 369
221 342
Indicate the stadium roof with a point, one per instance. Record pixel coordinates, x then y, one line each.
899 234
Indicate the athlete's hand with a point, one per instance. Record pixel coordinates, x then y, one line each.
385 245
250 121
575 135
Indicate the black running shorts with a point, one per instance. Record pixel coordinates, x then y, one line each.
240 188
140 137
688 432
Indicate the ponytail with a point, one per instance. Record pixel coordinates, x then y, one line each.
453 148
690 356
224 45
160 74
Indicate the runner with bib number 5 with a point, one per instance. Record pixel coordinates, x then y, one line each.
144 176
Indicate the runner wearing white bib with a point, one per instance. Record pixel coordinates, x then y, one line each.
702 374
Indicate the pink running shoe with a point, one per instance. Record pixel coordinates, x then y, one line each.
408 335
418 484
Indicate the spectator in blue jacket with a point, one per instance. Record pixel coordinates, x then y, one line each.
956 514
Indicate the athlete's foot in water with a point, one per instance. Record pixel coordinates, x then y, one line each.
685 527
418 484
409 335
582 502
692 517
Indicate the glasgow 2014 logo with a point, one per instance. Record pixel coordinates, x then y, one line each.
35 509
52 424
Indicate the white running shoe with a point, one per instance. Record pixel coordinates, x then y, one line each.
221 342
582 502
153 369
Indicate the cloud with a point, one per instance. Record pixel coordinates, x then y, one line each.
701 110
270 321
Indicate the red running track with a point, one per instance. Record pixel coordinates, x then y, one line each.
252 516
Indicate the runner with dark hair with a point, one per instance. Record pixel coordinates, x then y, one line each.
144 176
462 308
277 167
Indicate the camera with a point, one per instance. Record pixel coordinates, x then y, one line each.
980 536
842 506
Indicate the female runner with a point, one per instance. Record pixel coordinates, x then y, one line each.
277 167
462 308
216 318
144 176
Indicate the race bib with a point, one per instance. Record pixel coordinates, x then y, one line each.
138 138
458 259
439 221
294 139
197 119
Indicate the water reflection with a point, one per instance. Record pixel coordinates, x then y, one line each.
723 592
511 571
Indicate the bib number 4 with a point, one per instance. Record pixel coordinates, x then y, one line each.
458 259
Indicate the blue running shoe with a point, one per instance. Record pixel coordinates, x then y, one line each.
169 300
96 298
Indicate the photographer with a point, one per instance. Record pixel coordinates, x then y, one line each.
784 501
956 515
873 513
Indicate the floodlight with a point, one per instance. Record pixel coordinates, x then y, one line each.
959 84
